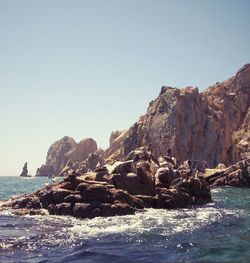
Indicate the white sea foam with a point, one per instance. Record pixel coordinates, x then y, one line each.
165 222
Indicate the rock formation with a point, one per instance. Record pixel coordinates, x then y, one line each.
212 125
66 155
25 170
120 188
237 175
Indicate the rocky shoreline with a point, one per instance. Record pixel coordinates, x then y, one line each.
119 188
237 175
124 187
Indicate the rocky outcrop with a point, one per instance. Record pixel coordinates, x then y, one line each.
66 155
116 141
88 199
82 150
120 188
212 125
25 170
237 175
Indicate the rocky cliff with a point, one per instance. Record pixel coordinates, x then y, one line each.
212 125
66 154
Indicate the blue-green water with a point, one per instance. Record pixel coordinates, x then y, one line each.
218 232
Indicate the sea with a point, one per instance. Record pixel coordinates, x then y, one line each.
217 232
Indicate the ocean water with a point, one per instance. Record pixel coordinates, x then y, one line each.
218 232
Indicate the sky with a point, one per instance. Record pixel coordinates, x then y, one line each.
85 68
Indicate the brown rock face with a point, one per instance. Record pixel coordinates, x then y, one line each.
212 125
66 154
116 140
82 150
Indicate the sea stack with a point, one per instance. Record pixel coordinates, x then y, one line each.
25 170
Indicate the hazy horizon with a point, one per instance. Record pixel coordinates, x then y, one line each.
87 68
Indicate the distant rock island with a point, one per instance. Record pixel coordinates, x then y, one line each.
25 170
211 126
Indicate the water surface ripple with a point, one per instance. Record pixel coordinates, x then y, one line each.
218 232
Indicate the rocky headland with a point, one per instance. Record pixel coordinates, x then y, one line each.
186 142
211 126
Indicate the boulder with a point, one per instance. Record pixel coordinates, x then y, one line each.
59 194
96 192
121 209
30 202
173 198
124 167
63 209
164 177
134 184
83 210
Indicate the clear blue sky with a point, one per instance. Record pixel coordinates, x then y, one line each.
86 68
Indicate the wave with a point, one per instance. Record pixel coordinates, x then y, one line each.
32 232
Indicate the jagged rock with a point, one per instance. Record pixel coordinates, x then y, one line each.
186 120
82 150
45 170
55 159
235 175
25 170
65 155
94 161
116 140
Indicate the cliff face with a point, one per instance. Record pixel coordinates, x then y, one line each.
66 152
212 125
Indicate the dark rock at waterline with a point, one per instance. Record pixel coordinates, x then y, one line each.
89 199
237 175
30 202
122 189
25 170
